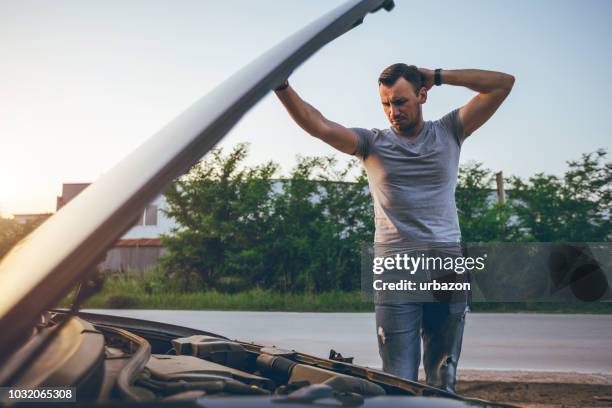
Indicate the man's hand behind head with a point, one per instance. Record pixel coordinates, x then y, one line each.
428 77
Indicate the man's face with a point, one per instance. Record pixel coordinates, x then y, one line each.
401 105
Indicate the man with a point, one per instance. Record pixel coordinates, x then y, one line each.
412 173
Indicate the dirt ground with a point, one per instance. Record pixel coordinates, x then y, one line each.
538 389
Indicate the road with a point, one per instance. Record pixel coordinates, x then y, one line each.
539 342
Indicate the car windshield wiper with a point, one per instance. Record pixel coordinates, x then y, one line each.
42 268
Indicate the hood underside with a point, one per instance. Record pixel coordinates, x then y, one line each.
43 267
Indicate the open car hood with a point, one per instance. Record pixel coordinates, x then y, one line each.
43 267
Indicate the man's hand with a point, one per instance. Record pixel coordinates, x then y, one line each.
428 76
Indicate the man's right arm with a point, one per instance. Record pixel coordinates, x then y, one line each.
313 122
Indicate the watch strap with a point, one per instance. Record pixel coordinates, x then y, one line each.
438 76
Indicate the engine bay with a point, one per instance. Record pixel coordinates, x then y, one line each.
107 363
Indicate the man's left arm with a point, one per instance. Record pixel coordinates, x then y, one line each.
492 87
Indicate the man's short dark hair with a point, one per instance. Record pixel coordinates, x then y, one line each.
396 71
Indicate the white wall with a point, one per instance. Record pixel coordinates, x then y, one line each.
164 224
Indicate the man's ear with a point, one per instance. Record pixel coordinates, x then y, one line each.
422 96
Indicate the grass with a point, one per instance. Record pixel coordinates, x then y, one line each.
152 290
254 299
549 307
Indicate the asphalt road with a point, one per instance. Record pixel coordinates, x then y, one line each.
542 342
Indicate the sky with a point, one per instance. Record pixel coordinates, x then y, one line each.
83 83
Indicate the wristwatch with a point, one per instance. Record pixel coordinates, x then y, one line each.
438 76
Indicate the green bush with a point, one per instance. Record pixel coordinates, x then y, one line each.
239 226
232 284
120 302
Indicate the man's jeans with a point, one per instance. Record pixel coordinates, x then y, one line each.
400 327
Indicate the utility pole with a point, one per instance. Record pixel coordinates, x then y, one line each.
499 180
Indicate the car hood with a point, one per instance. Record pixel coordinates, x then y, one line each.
42 268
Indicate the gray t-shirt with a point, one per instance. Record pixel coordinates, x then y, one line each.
413 182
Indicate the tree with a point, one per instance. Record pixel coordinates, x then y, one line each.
587 197
241 228
321 220
574 208
11 232
480 216
223 212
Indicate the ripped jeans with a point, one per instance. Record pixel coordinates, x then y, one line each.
400 327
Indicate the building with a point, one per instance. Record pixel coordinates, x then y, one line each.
139 248
25 218
69 191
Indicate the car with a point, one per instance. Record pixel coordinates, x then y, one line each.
62 355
